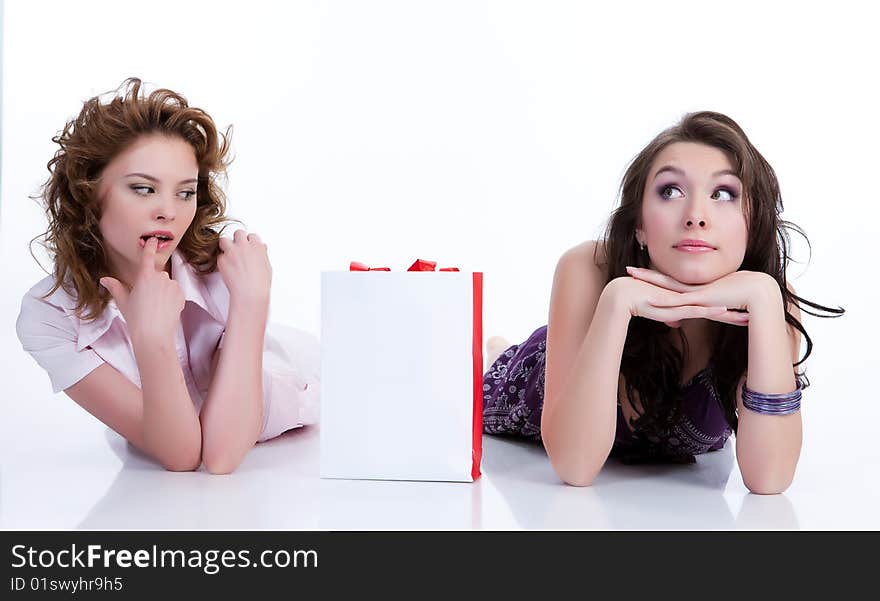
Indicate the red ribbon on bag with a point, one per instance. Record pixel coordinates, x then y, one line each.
423 265
355 266
419 265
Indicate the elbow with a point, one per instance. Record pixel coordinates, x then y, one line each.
178 464
577 467
173 455
767 476
580 472
189 461
582 479
221 468
222 463
767 484
767 488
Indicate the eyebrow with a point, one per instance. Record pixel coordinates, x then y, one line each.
678 171
153 179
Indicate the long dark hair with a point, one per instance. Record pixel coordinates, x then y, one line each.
650 364
86 145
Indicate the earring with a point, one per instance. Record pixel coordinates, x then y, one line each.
642 246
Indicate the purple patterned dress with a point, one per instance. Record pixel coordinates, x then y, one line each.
513 396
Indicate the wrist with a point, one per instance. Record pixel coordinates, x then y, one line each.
252 313
151 338
249 301
615 300
766 299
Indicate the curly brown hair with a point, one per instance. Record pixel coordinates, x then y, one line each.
87 144
650 364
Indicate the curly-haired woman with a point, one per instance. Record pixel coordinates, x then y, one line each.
152 321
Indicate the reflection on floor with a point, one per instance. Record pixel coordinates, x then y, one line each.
95 481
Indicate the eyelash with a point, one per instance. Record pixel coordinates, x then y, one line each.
663 189
190 193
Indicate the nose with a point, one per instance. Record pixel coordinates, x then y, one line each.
695 215
165 208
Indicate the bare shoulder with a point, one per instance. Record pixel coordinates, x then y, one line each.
590 261
585 262
591 251
577 285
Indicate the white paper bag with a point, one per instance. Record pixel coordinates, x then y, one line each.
401 375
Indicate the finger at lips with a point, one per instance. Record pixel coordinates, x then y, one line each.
148 258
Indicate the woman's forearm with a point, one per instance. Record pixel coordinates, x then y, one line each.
768 446
171 430
233 412
578 426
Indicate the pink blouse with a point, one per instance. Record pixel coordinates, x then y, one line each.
69 349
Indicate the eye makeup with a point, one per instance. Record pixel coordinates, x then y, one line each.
141 189
664 187
144 190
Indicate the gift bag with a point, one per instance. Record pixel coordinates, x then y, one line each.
401 373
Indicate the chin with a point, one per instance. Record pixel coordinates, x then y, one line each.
694 276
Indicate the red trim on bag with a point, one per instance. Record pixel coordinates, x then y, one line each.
478 375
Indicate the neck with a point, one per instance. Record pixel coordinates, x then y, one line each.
699 333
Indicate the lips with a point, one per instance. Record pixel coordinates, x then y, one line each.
164 238
162 243
693 244
158 234
695 249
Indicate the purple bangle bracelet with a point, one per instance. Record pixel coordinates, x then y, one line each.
772 404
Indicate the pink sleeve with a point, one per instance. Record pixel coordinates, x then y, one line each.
49 335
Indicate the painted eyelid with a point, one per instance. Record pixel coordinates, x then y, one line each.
734 194
142 186
191 194
662 188
732 191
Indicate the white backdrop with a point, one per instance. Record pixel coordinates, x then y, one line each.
488 135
